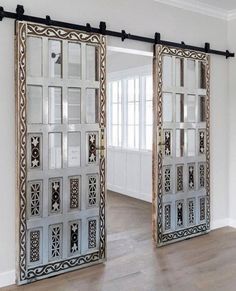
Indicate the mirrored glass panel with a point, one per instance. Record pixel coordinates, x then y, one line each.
34 57
74 60
167 71
179 143
55 58
91 65
35 104
167 107
74 105
191 108
92 106
191 142
179 107
55 150
179 72
191 74
74 149
202 108
201 75
55 104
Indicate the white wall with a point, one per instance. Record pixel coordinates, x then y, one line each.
139 17
231 141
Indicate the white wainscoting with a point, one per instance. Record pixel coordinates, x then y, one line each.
129 172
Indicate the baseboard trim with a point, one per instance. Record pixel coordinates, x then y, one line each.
7 278
133 194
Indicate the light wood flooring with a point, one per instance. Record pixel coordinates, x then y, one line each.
134 264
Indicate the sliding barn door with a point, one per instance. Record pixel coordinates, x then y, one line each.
181 147
61 138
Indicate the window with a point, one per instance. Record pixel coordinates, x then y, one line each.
130 111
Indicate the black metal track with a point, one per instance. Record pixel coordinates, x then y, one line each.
19 15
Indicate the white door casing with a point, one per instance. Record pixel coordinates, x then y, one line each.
181 144
61 156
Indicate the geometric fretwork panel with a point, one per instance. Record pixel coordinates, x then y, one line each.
201 142
168 180
92 148
191 211
180 214
74 192
35 151
35 189
167 141
202 206
74 242
180 178
191 177
34 249
55 242
55 190
92 190
201 175
92 233
167 217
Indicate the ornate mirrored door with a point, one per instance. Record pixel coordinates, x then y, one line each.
181 149
60 97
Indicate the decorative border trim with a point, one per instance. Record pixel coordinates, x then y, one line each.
159 237
24 29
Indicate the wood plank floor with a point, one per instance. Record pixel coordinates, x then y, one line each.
134 264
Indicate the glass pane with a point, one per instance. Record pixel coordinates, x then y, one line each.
55 104
55 150
55 58
179 72
115 135
130 113
92 106
35 104
74 60
149 88
131 90
34 57
114 114
202 109
201 75
136 104
74 108
131 136
191 142
191 102
191 76
179 107
167 71
148 137
119 135
179 143
149 112
136 136
167 107
73 149
91 63
115 92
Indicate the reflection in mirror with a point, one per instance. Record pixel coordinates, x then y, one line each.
73 149
191 105
55 104
179 143
201 75
91 65
179 107
55 150
202 109
167 71
55 58
74 60
191 142
167 107
74 107
179 72
191 76
35 104
92 106
34 57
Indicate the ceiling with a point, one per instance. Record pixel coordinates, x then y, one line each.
224 4
223 9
